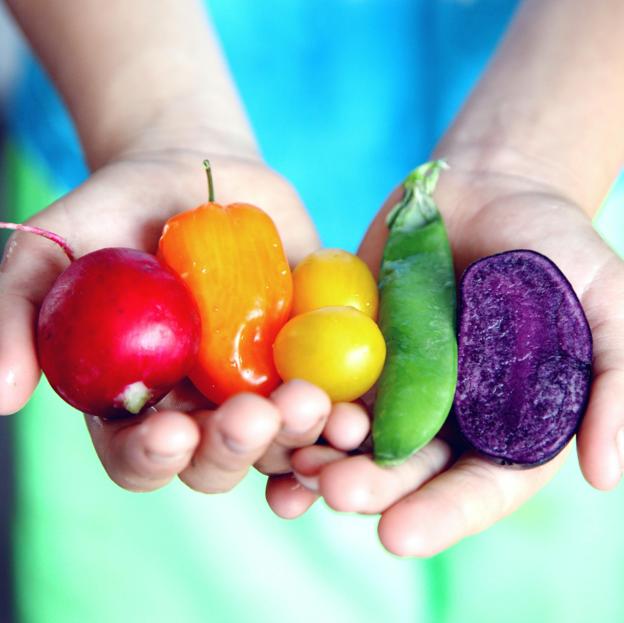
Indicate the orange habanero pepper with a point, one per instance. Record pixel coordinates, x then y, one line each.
233 261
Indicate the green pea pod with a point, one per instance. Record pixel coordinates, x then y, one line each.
417 318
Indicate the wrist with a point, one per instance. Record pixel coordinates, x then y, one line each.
136 69
181 125
493 159
548 107
490 169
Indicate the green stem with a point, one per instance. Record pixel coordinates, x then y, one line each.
417 207
211 196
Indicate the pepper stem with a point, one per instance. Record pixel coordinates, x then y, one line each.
211 196
60 241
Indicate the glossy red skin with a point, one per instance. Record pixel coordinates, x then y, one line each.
116 317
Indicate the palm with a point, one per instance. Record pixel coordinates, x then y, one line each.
127 202
555 227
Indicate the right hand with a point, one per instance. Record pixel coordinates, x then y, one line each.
125 203
446 491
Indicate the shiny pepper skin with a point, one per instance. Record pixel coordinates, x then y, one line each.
233 261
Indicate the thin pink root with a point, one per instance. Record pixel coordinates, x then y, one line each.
61 242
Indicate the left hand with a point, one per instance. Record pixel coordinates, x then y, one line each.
125 203
444 493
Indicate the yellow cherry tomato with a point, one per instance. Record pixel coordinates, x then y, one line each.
330 277
340 349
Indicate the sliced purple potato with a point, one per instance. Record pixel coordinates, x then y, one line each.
524 363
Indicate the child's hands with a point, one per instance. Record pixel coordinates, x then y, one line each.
445 493
125 203
210 449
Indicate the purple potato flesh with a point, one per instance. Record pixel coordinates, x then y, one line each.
524 362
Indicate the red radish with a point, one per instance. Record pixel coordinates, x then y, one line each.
116 331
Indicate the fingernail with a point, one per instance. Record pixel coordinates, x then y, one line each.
10 379
309 482
619 440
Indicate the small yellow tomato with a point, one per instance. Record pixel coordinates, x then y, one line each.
330 277
340 349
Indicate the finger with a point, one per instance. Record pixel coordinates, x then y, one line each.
185 397
468 498
347 427
307 464
287 497
28 269
144 455
304 409
600 442
19 368
375 238
233 437
358 485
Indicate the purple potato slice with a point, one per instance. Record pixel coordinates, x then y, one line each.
524 362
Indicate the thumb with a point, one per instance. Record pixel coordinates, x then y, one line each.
372 245
600 441
28 269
